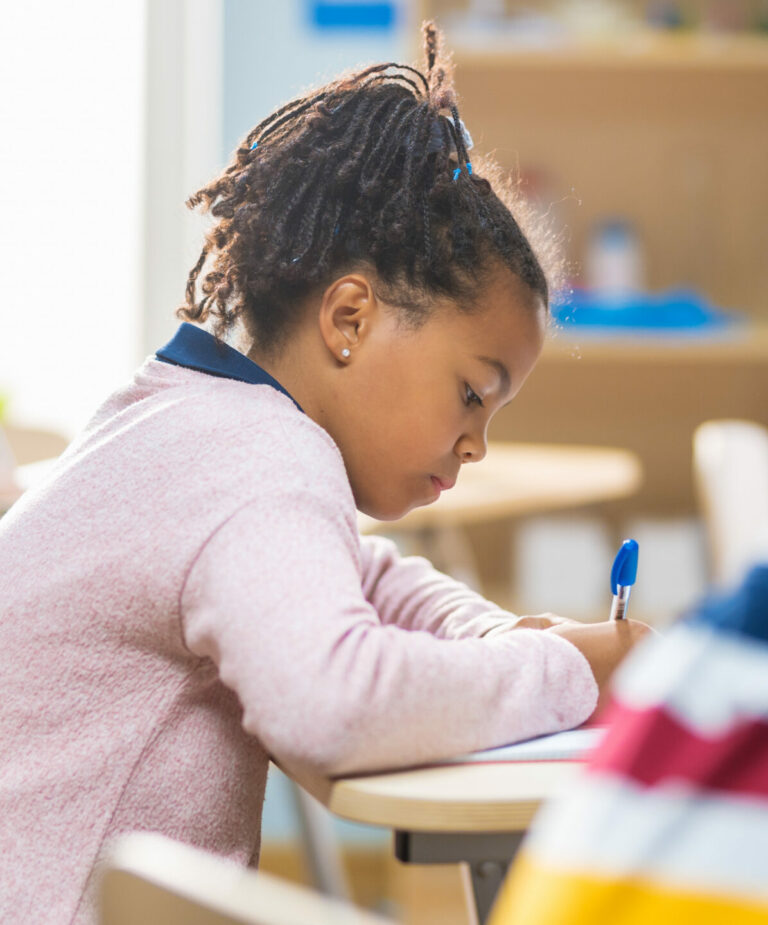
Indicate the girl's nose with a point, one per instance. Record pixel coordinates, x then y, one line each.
472 448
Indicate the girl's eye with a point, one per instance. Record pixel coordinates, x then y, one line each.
471 397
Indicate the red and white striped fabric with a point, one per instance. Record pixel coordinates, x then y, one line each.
669 823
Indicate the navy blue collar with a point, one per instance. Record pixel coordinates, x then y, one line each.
196 349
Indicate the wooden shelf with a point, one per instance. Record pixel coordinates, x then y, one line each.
642 51
748 344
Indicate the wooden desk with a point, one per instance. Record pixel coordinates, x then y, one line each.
473 814
498 797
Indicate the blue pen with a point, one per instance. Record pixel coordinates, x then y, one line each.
623 575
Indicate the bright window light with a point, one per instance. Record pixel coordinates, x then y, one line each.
71 151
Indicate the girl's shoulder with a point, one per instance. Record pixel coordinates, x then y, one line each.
244 412
229 426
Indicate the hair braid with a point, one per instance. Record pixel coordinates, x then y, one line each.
359 173
190 288
459 135
431 40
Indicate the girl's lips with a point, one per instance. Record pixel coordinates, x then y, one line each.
442 485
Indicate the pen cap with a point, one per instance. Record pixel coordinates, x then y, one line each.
624 571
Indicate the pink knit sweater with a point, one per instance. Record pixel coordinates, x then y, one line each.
186 596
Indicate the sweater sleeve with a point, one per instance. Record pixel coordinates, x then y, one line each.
407 591
274 598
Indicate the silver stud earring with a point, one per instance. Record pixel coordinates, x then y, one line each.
345 352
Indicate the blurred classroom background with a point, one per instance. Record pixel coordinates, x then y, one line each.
638 130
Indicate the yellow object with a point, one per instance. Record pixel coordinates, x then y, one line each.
538 895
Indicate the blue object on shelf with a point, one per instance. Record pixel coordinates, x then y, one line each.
678 310
379 16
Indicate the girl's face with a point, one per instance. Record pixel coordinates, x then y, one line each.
415 404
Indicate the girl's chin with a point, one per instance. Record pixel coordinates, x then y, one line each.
384 514
387 509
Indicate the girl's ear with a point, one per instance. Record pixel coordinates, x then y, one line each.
347 312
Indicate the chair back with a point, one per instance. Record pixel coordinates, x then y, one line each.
147 878
730 462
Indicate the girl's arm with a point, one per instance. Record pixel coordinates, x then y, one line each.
274 598
406 591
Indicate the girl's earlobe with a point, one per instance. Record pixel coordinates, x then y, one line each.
343 314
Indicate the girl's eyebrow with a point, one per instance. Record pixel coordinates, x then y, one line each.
501 369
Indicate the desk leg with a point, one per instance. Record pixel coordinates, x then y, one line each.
321 847
487 855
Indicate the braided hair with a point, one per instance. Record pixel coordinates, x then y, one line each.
371 170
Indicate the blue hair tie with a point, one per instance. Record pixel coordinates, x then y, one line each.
254 145
457 171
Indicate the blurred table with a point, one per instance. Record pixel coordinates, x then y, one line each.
513 479
522 478
645 394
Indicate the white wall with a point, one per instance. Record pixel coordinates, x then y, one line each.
112 113
183 151
70 174
273 52
111 116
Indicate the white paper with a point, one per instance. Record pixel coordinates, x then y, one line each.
561 746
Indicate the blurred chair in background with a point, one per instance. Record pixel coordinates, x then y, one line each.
148 878
730 463
33 444
26 455
9 490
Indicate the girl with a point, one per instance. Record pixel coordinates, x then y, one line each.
188 595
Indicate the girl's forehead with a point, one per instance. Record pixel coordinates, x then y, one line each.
504 308
502 335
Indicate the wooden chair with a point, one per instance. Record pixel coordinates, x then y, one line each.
9 490
32 444
148 879
730 463
25 453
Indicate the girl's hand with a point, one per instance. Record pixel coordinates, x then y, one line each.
541 621
604 645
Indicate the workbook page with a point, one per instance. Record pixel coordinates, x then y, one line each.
561 746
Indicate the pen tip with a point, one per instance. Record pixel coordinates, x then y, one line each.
624 571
